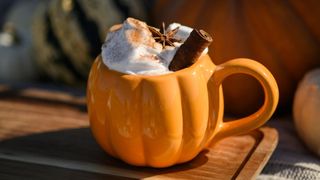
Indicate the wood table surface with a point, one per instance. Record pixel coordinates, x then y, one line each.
45 134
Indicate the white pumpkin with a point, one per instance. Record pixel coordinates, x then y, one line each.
306 110
16 56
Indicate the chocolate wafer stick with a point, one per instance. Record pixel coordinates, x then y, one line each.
190 50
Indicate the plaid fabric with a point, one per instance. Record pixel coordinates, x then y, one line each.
291 159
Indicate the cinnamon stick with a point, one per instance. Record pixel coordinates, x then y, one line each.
190 50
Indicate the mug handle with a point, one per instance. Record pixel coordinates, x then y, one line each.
263 75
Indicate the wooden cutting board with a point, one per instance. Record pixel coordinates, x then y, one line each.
45 135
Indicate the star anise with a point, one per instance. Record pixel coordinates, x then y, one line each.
166 37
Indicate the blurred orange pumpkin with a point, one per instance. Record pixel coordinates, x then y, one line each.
282 35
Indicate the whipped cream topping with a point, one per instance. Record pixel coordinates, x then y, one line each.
130 48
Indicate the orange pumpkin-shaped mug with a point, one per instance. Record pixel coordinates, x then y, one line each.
168 119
